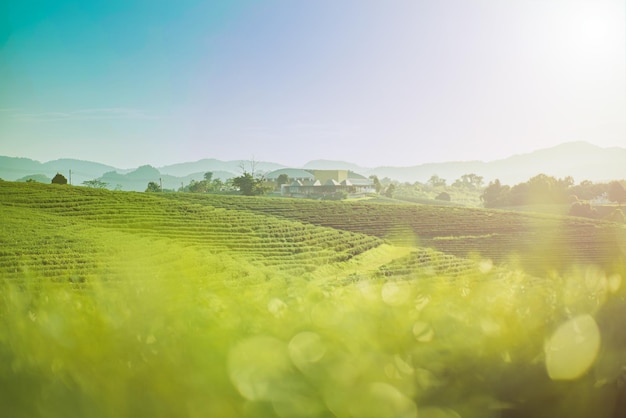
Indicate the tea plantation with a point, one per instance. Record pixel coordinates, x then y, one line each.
120 304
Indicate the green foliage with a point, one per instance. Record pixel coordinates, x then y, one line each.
389 190
588 190
282 179
540 189
469 181
135 304
250 185
96 184
377 184
59 179
436 181
496 194
209 184
445 196
583 209
616 192
153 187
460 194
39 178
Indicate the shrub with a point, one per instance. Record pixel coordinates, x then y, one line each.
59 179
443 196
583 209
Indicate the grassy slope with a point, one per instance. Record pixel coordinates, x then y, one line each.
164 314
539 242
68 222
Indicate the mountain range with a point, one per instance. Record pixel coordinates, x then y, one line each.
581 160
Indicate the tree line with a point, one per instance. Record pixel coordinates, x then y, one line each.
544 189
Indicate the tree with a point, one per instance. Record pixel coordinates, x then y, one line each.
588 190
617 193
208 176
469 181
249 185
436 181
518 195
377 184
389 190
541 189
59 179
282 179
96 184
198 186
496 195
216 185
153 187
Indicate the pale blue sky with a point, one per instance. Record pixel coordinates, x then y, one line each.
395 82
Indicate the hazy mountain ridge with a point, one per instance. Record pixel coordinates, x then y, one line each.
581 160
211 164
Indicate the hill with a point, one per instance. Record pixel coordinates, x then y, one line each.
14 168
541 243
123 304
581 160
211 164
261 240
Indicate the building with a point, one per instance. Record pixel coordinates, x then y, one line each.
327 183
292 174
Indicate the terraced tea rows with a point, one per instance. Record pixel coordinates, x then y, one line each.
540 242
131 304
262 240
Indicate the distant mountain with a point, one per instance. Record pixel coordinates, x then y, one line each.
138 179
12 168
332 165
581 160
213 165
39 178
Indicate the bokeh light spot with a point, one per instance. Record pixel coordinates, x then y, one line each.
393 294
306 348
423 332
573 348
383 400
257 366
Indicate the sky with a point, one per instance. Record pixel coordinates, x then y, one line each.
373 82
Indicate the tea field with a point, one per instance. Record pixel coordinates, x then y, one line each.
541 243
121 304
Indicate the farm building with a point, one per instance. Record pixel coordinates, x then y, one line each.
327 182
293 174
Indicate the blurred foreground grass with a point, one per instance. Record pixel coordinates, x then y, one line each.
174 342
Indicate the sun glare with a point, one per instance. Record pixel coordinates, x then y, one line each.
592 26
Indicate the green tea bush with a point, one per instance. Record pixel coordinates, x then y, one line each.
156 317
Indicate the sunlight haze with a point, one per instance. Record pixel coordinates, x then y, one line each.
375 83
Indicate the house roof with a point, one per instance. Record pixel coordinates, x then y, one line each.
292 173
361 182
